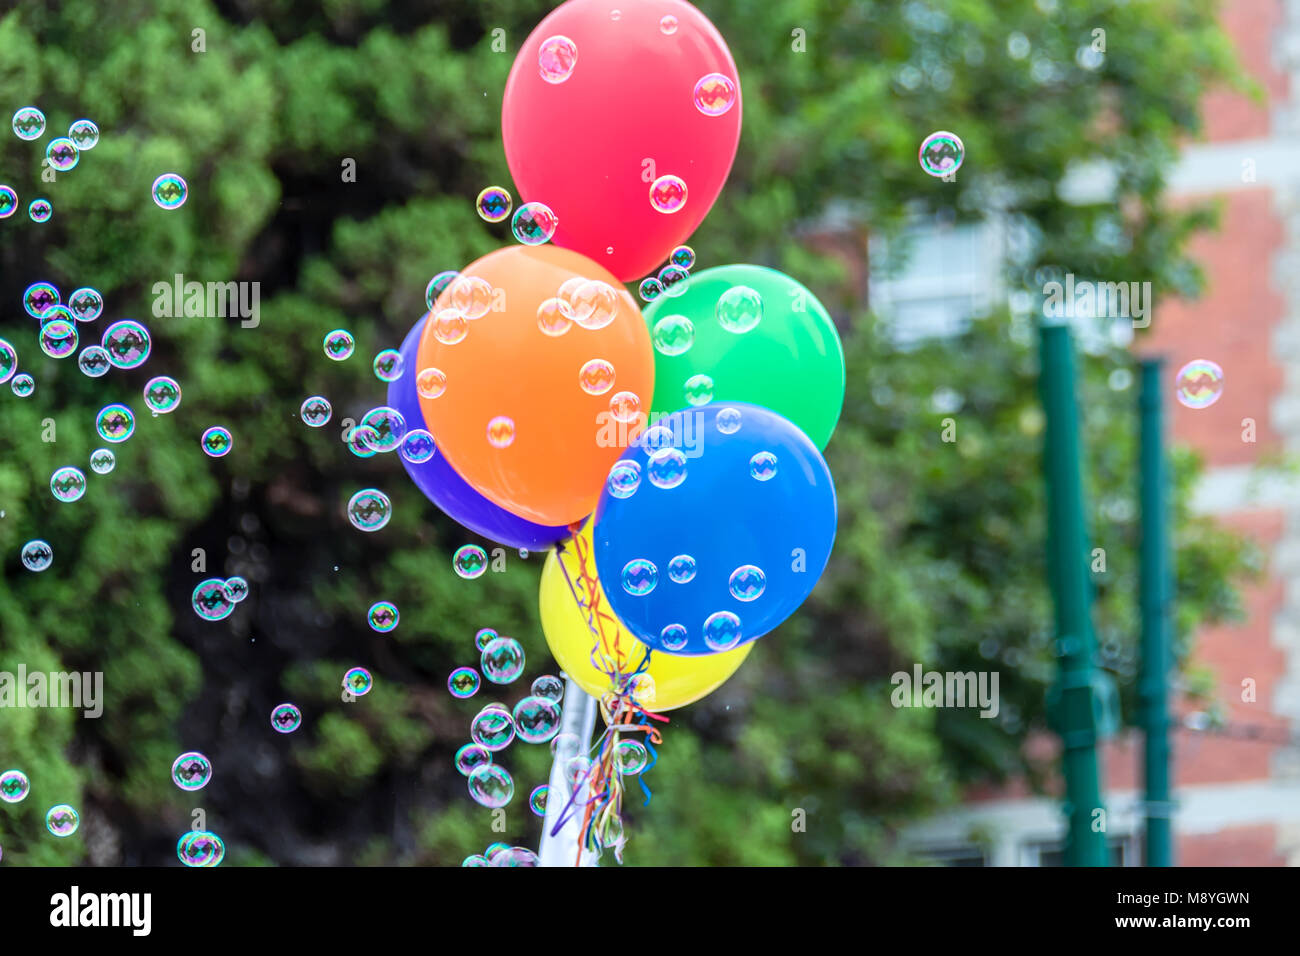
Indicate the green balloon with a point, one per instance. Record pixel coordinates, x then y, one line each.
791 361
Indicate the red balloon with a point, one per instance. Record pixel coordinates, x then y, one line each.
623 116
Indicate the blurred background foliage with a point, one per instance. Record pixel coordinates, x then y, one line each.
939 558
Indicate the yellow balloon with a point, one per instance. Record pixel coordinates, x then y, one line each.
678 680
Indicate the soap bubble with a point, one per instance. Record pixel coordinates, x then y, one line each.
40 210
502 661
941 153
127 343
493 728
8 202
14 786
170 191
763 466
62 820
216 441
682 257
534 223
61 154
68 484
388 365
537 719
23 385
493 204
715 94
102 461
631 756
37 555
491 786
86 304
316 411
556 58
162 394
470 757
722 631
739 309
1199 383
369 509
699 389
668 194
537 799
418 446
650 289
38 297
674 280
383 616
211 601
436 286
624 479
673 335
469 561
191 771
640 577
463 682
84 133
358 681
339 344
29 123
501 432
286 718
431 383
550 687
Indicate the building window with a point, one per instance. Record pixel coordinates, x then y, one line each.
1052 852
954 856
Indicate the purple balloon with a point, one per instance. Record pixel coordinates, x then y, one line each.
444 486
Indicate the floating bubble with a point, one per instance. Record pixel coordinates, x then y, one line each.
668 24
550 687
501 432
436 286
673 335
358 681
502 661
286 718
493 204
86 304
631 756
236 588
469 561
591 303
84 134
491 786
556 58
418 446
23 385
62 820
763 466
59 313
699 389
722 631
537 719
655 437
191 771
485 636
640 577
668 194
170 191
682 257
68 484
728 420
29 123
431 383
715 94
211 601
534 223
650 289
339 344
564 743
674 280
551 318
199 848
576 771
941 153
93 361
369 509
8 202
596 377
463 682
102 461
681 569
516 856
470 757
40 210
666 468
38 297
747 583
389 428
162 394
58 337
61 154
624 478
127 343
492 728
471 296
37 555
537 800
1199 383
316 411
674 637
358 439
383 616
475 859
388 365
8 361
450 327
624 407
739 309
217 441
14 786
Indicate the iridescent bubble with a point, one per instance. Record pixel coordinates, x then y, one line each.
596 377
475 859
564 743
38 297
236 588
674 280
655 437
631 757
472 756
200 848
37 555
501 432
8 361
551 318
102 461
418 446
8 202
592 304
650 289
463 682
358 681
431 383
640 577
471 296
86 304
493 728
450 327
1199 384
68 484
14 786
668 194
191 771
534 223
666 468
681 569
747 583
493 204
668 24
699 389
58 338
469 561
550 687
674 637
941 153
673 335
216 441
485 636
763 466
383 616
389 428
127 343
286 718
61 154
537 719
84 134
683 256
502 661
715 94
162 394
369 509
728 420
358 438
624 407
57 313
170 191
339 344
537 800
739 309
491 786
316 411
388 365
40 210
62 820
93 361
624 478
23 385
722 631
211 601
516 856
556 58
576 771
29 123
436 286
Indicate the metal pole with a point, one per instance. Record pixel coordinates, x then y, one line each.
579 720
1075 694
1155 596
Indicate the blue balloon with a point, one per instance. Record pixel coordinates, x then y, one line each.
714 527
444 486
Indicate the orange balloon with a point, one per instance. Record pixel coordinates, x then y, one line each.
534 419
